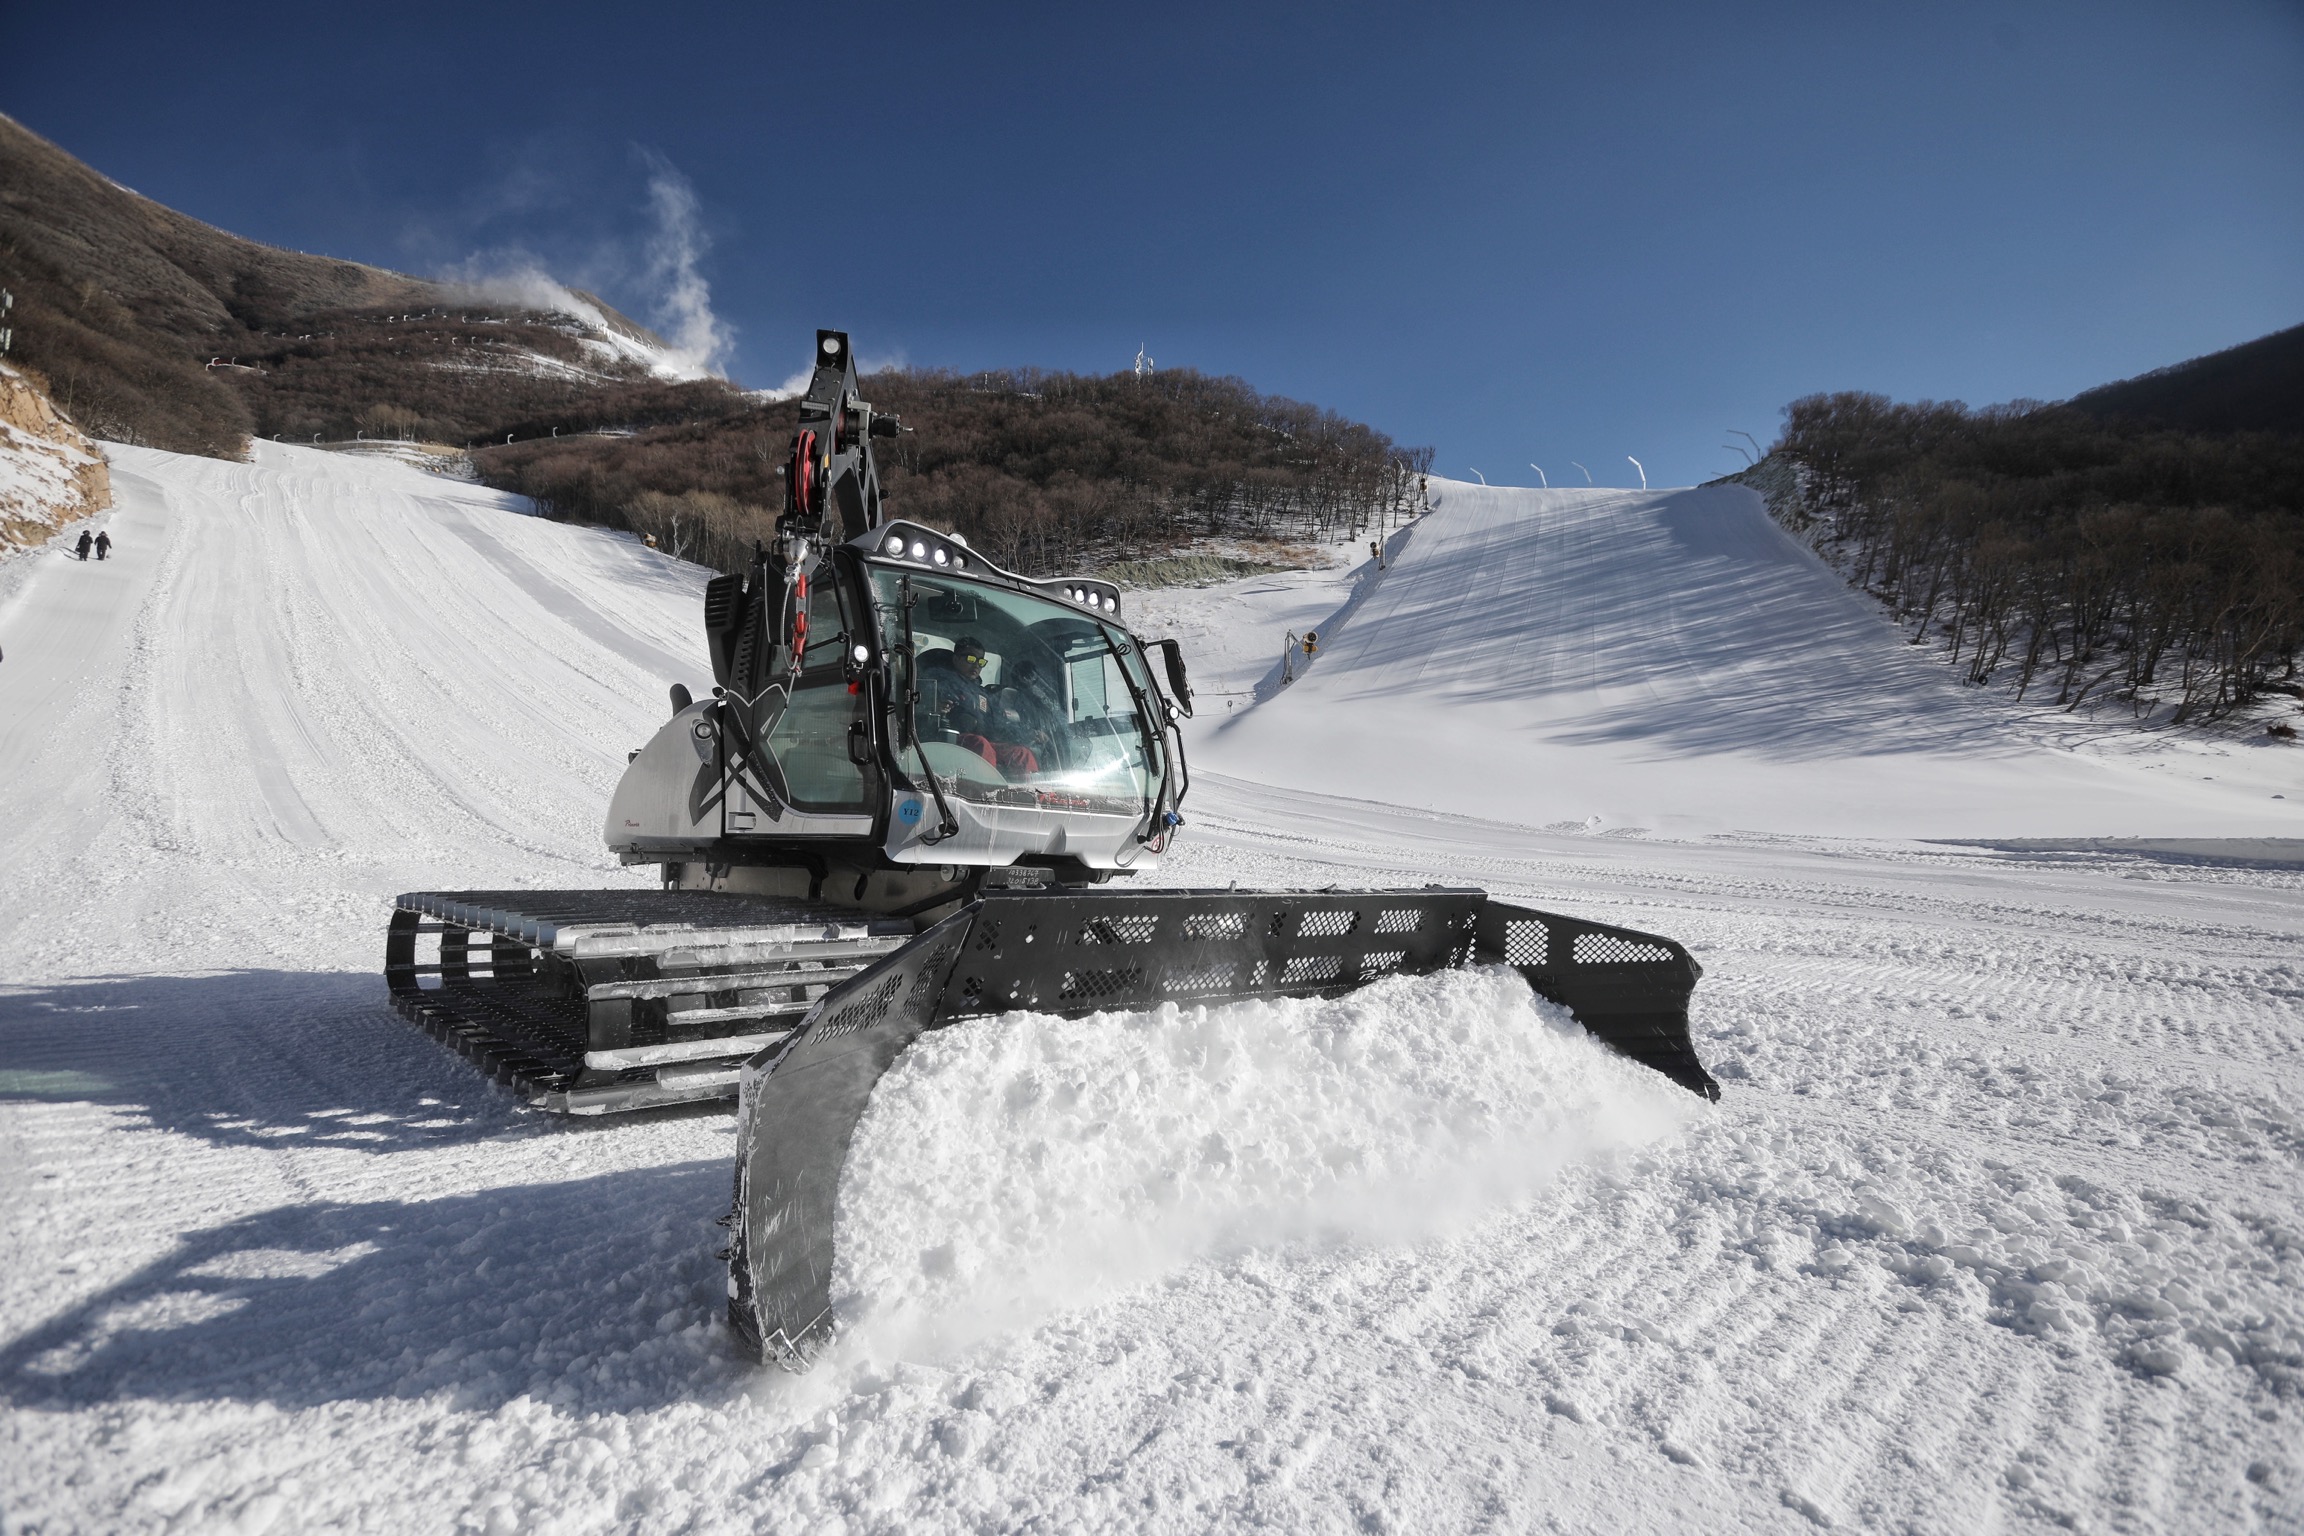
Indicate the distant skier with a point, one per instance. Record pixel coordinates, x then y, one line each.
85 541
103 545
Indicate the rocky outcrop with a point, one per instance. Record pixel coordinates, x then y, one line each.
50 473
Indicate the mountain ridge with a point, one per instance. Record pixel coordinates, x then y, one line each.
2257 386
159 329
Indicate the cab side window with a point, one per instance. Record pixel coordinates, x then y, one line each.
810 739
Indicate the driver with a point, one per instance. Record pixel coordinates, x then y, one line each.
1025 708
953 680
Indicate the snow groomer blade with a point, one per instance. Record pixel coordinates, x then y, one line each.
1073 954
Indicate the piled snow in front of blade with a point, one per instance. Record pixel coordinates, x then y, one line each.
1010 1168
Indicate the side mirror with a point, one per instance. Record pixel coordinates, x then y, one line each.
1178 684
859 744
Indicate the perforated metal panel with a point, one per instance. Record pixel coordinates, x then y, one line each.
1631 989
1326 925
1138 929
863 1013
1617 949
1056 951
1525 943
1383 962
1095 986
1214 925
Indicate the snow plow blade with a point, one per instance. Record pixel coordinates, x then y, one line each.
1078 953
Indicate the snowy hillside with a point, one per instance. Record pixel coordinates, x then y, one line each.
1998 1225
1675 661
49 473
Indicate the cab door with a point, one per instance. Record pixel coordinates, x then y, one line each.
817 735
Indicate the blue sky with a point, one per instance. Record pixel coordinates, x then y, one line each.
1516 233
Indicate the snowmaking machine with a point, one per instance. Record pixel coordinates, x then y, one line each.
902 805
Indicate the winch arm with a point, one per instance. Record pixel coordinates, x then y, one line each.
757 624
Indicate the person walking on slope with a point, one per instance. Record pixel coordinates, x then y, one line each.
103 545
82 546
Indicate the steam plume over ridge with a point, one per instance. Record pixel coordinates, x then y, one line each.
681 297
689 342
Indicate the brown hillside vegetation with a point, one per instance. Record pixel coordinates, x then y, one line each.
1041 471
121 301
2059 552
2257 386
125 305
157 329
455 373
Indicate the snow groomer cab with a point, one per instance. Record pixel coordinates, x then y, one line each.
897 722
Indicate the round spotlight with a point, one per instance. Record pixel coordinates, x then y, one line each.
941 557
862 653
1112 604
919 550
831 347
895 546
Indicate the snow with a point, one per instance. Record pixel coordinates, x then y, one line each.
36 475
1406 1112
1998 1224
1675 662
44 462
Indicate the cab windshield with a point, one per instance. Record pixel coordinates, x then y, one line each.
1022 701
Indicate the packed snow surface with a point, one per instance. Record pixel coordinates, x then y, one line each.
1998 1224
1675 661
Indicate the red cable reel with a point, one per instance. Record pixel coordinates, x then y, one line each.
805 476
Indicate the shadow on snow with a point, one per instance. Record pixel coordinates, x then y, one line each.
597 1294
259 1058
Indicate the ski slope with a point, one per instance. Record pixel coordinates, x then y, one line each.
1673 661
1999 1224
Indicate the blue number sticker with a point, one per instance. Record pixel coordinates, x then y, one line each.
908 812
